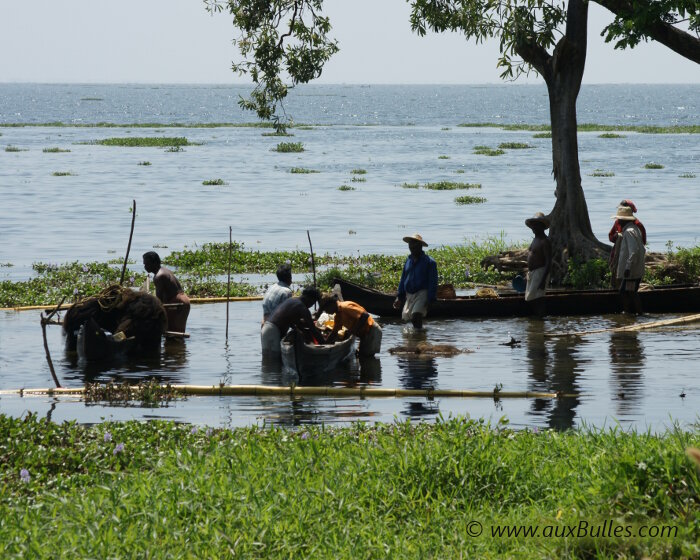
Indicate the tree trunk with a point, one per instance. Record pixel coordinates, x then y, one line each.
570 230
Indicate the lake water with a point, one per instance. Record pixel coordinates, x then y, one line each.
397 134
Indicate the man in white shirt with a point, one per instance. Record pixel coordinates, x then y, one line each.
279 292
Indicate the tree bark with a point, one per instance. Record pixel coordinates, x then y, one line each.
570 227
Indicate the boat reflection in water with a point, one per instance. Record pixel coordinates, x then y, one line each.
553 369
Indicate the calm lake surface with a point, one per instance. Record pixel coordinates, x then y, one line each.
397 134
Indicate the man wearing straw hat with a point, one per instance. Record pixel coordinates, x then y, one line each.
630 251
539 258
418 284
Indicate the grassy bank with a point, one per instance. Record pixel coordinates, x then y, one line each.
161 490
201 269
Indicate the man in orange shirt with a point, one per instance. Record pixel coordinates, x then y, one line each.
355 318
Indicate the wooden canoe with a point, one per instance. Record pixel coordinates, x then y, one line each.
666 299
303 358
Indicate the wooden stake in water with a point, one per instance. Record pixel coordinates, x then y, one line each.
46 320
313 263
128 247
228 283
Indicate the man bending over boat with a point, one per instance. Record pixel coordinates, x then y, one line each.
355 318
168 290
293 312
418 284
539 258
278 292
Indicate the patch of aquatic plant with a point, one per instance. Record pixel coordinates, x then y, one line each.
146 163
55 150
302 170
442 186
289 147
91 99
210 182
11 148
588 127
66 485
174 149
460 171
145 393
358 180
198 286
144 141
445 128
346 188
611 135
62 173
593 273
358 171
687 176
280 133
443 157
469 199
542 135
514 146
59 124
652 165
71 280
602 173
486 151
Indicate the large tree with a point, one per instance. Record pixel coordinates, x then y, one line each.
287 41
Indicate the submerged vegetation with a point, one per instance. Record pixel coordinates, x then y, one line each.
55 150
211 182
442 186
426 490
602 173
302 170
591 127
487 151
611 135
11 148
346 188
62 173
144 141
687 176
469 199
652 165
514 146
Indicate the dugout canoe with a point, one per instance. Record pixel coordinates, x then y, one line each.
665 299
303 358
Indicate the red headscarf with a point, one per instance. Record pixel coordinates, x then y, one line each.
617 226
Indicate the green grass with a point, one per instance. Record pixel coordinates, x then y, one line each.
652 165
302 170
443 157
211 182
55 150
486 151
144 142
602 173
145 163
164 490
469 199
289 147
514 146
442 186
611 135
687 176
346 188
359 171
62 174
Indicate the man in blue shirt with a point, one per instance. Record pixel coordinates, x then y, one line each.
418 284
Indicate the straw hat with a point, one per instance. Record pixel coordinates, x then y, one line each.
625 213
415 237
538 218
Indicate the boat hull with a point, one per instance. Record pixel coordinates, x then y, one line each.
669 299
303 358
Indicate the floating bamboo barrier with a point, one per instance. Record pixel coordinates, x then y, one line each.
633 328
295 391
192 300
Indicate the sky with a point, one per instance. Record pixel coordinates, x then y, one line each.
177 41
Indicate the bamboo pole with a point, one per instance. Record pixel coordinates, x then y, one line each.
128 247
313 263
46 320
192 300
295 391
228 282
633 328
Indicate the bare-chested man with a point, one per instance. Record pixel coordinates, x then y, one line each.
539 258
168 290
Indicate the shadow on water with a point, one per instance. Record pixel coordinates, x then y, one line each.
553 369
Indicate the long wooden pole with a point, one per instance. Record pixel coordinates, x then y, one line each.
128 247
46 320
313 263
633 328
228 283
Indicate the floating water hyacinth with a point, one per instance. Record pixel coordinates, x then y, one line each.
24 475
118 449
193 431
85 268
305 435
209 432
107 437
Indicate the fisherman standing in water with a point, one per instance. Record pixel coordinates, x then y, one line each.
418 284
168 290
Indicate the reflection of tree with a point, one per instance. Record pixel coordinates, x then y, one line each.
627 361
556 375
